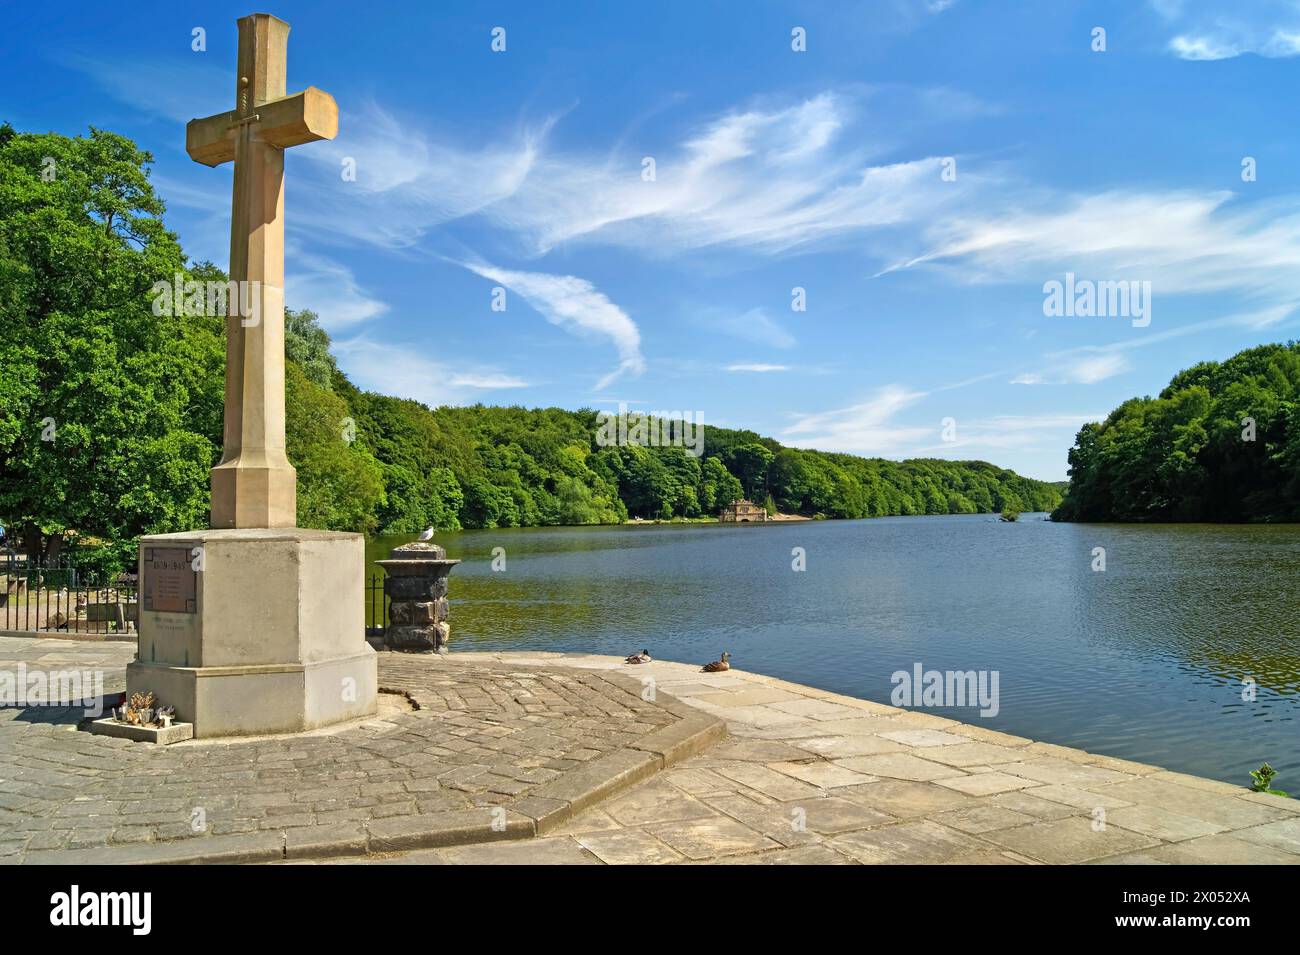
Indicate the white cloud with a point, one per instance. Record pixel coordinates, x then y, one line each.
1182 242
329 289
1082 370
769 179
869 428
403 371
575 305
757 367
863 428
1219 30
408 181
1002 432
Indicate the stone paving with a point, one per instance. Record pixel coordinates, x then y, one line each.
468 752
805 776
813 777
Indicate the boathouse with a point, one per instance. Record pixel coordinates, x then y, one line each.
742 511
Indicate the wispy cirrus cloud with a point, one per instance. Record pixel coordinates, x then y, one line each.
999 433
866 427
768 178
1182 242
409 181
577 306
1080 370
756 367
402 370
328 288
870 428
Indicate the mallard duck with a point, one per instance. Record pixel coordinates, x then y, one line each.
717 666
642 657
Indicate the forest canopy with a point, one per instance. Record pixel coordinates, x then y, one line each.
1220 443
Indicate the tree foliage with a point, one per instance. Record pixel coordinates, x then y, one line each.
107 411
1220 443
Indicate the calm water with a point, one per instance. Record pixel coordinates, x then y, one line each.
1144 660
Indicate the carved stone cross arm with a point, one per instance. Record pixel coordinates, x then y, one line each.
301 118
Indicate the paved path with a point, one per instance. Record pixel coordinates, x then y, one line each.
813 777
805 776
469 751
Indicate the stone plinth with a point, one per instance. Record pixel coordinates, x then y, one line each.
255 630
416 587
163 735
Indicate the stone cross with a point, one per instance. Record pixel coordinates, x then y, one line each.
254 485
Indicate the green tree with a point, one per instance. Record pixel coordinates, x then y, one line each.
307 345
1216 445
340 485
749 462
104 406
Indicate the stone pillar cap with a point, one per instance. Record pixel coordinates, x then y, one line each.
418 550
422 567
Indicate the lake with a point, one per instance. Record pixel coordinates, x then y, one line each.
1144 660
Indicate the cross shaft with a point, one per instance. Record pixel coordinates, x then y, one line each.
254 485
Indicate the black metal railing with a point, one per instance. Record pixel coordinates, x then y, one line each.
376 605
59 598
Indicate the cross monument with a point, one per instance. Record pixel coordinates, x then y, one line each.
256 626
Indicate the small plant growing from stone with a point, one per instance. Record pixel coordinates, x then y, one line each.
1263 781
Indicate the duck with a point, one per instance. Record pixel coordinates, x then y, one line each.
717 666
642 657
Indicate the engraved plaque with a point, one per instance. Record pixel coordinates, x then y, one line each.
170 582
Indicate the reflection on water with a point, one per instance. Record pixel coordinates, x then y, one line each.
1145 660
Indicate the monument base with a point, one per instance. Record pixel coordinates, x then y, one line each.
250 631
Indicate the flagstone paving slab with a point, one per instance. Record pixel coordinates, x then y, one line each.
1164 824
628 847
839 747
1221 849
805 777
906 798
1068 841
823 775
967 754
804 855
921 842
899 766
656 801
710 838
985 784
1283 835
977 819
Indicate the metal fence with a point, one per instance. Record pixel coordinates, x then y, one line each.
376 606
59 598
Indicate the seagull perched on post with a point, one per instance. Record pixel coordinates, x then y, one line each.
427 534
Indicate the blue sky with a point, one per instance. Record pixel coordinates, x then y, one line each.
774 169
